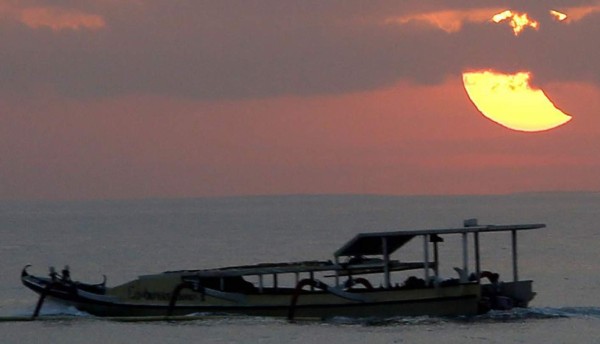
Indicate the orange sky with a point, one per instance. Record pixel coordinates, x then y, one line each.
135 99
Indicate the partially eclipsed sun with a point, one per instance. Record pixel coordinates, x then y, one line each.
509 100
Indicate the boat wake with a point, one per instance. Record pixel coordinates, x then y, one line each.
54 310
568 312
517 314
541 313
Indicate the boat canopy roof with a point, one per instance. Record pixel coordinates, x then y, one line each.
368 244
363 244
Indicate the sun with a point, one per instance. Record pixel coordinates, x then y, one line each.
509 100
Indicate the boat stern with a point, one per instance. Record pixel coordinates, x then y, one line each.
507 295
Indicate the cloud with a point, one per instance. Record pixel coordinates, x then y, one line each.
577 13
54 18
253 49
447 20
453 20
58 19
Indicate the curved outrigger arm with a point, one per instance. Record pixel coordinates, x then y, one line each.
195 285
351 282
323 286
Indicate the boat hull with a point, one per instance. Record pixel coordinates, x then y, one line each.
463 299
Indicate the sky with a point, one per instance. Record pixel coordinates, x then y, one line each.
113 99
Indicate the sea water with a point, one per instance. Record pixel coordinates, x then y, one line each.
124 239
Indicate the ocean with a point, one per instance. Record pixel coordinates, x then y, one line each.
126 238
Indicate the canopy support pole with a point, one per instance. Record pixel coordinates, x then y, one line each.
337 271
436 258
465 247
477 256
514 255
386 263
426 256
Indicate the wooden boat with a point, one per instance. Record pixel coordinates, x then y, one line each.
363 280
